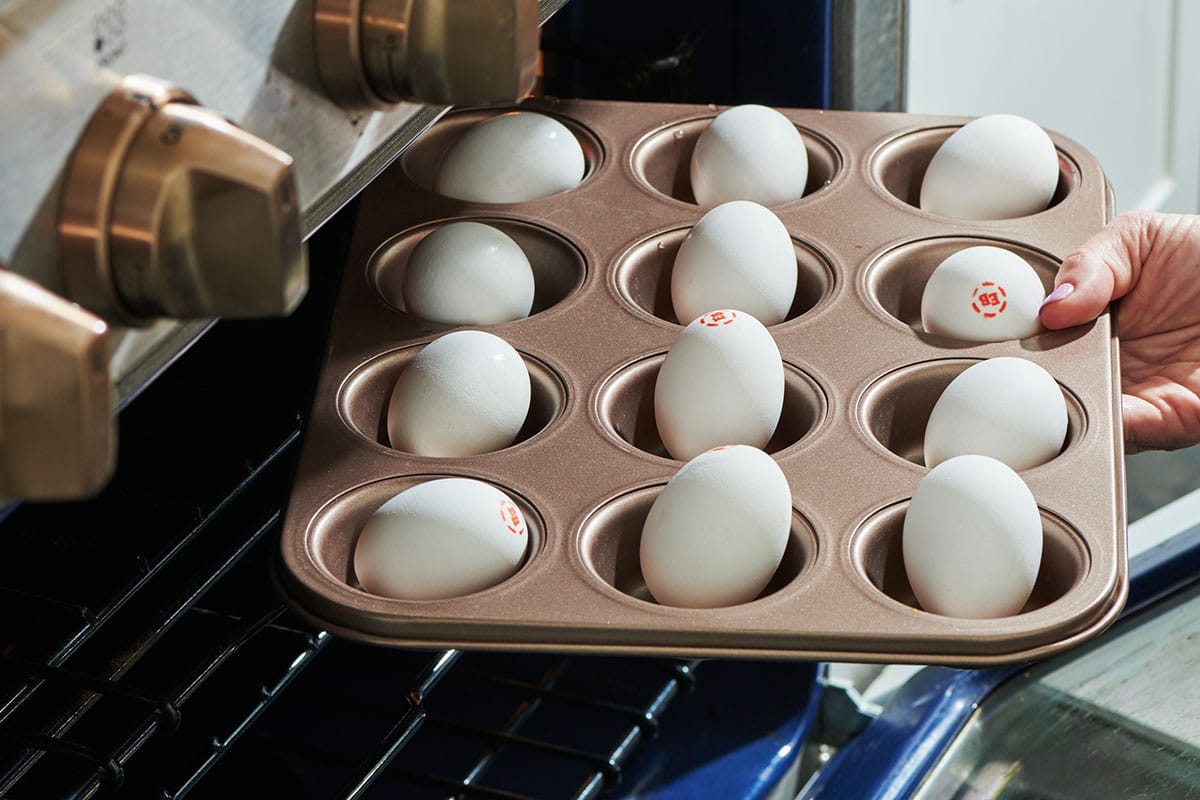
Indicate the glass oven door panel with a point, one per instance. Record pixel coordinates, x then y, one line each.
1118 720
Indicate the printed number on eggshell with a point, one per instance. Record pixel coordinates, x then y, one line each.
511 518
718 318
989 299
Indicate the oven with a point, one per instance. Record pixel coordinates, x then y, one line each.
146 651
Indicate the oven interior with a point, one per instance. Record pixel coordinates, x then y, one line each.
148 655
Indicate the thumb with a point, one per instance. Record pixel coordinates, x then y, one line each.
1103 269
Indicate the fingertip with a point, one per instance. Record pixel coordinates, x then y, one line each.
1061 292
1052 313
1064 308
1055 317
1083 290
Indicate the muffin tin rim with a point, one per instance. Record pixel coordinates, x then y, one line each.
870 265
578 533
862 429
601 386
851 554
362 368
630 160
456 116
538 541
619 266
371 267
874 153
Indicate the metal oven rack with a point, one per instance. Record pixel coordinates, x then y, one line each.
145 654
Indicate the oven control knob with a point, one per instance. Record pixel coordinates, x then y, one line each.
376 53
57 432
170 210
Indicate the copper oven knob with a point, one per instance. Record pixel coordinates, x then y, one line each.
375 53
170 210
57 438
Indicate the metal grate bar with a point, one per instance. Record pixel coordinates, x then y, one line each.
108 766
165 708
464 788
644 718
685 678
404 730
432 674
24 599
602 763
185 603
381 759
224 654
318 642
523 713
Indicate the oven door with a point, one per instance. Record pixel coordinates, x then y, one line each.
1114 718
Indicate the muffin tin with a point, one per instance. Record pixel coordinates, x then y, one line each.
861 379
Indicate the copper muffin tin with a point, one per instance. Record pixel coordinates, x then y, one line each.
861 379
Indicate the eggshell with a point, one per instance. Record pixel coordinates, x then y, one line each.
1008 408
749 152
721 383
441 538
972 539
716 533
995 167
739 255
983 294
468 273
465 393
512 158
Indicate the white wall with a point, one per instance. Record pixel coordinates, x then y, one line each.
1121 77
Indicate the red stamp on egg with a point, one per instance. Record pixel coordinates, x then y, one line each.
511 518
989 299
717 318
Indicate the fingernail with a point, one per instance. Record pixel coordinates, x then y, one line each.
1061 292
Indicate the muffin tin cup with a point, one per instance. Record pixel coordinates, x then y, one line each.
860 374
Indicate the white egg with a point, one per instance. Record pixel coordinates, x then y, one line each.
465 393
721 383
1008 408
441 538
972 539
716 533
512 158
995 167
468 273
739 255
749 152
983 294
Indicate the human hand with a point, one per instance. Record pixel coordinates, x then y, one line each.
1151 263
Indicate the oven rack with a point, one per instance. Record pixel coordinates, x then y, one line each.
145 654
185 709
